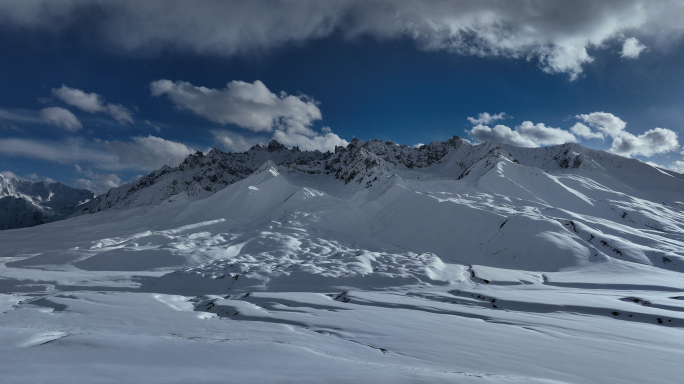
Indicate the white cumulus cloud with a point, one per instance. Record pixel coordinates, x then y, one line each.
654 141
500 133
485 118
248 105
543 135
583 131
605 122
601 125
632 48
254 107
525 135
92 103
557 34
62 118
326 142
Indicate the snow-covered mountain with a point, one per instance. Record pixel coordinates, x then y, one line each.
447 263
367 162
26 204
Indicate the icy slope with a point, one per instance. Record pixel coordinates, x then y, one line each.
26 204
378 263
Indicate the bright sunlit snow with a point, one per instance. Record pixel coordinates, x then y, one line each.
378 263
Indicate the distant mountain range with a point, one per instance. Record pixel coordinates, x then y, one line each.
27 204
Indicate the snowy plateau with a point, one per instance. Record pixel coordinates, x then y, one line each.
378 263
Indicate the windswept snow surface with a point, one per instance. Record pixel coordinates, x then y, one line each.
480 264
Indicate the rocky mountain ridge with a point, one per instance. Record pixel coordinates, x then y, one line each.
363 162
201 175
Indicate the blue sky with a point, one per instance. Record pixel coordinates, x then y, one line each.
96 93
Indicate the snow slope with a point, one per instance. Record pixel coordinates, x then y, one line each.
376 263
26 204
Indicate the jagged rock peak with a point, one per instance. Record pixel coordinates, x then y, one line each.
275 145
257 147
361 162
215 152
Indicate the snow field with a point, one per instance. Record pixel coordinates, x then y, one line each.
512 274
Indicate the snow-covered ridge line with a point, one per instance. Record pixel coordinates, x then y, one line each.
365 162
